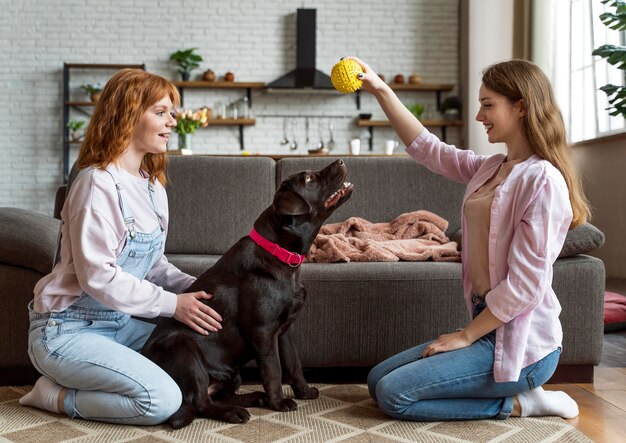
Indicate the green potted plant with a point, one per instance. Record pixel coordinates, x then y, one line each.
75 127
94 91
187 60
614 55
451 107
417 110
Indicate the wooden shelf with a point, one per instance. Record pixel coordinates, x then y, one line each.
238 122
103 66
437 123
280 156
437 88
260 85
434 123
231 122
75 103
219 85
421 87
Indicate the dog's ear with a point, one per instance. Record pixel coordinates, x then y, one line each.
287 202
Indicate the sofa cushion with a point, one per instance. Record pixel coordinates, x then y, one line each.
213 201
59 201
193 264
374 199
63 190
361 313
28 239
581 240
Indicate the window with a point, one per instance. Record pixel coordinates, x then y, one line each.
577 75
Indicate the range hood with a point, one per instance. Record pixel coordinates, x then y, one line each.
305 76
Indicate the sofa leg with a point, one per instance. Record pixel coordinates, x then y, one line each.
573 374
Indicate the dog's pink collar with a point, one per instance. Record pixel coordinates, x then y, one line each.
291 258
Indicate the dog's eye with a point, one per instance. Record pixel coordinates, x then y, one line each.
308 178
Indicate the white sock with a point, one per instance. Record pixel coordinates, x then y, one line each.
537 402
45 395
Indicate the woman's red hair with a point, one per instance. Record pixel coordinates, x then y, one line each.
125 98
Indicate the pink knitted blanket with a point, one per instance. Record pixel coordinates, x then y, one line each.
413 236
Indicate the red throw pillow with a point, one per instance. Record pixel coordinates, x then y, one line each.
614 311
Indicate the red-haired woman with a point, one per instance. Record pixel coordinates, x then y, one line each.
82 337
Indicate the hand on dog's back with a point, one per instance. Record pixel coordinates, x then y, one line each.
191 311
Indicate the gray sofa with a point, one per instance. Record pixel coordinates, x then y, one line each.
356 314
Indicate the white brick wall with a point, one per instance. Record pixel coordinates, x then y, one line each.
255 40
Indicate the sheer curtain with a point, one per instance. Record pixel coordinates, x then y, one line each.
564 33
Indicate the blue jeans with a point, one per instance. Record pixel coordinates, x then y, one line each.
455 385
95 354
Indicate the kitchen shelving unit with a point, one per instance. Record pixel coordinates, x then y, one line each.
239 122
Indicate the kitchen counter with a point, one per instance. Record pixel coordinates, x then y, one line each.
279 156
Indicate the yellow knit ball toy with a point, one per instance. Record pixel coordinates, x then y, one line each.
344 76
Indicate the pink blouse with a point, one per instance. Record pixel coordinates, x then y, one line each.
529 219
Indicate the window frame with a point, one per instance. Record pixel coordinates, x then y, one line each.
585 101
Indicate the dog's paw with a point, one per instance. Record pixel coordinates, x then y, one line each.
179 422
260 399
308 393
236 415
183 417
284 405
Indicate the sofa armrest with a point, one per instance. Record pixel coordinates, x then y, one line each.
28 239
579 283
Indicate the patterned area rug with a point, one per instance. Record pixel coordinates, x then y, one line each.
342 413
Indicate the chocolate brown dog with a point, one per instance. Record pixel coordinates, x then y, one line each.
257 290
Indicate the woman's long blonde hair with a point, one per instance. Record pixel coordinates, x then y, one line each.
125 98
543 125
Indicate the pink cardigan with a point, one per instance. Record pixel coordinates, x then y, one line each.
530 216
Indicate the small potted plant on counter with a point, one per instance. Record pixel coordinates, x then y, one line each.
187 60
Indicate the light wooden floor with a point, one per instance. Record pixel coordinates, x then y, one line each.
602 404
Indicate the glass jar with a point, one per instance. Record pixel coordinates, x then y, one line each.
220 110
244 108
232 111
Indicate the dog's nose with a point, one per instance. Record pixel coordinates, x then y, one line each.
340 162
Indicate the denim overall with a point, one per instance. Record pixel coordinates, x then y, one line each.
93 350
454 385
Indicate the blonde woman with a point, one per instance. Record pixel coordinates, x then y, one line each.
82 337
516 212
